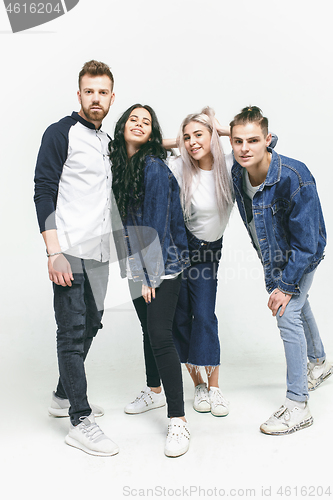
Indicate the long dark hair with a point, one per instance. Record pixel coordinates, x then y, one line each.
127 173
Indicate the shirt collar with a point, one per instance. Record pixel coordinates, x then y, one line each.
84 122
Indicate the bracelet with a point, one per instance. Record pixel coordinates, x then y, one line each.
52 254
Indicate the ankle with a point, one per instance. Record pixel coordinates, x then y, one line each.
157 390
290 404
182 418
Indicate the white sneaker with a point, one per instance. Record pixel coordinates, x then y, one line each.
88 437
178 438
318 373
201 399
286 421
147 400
218 403
59 407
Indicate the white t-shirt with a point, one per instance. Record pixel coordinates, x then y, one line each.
251 191
204 222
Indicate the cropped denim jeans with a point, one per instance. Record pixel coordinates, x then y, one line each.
195 326
78 312
301 339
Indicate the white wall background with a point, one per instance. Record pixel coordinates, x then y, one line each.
177 56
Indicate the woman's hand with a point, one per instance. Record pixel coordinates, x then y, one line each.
221 129
278 299
148 293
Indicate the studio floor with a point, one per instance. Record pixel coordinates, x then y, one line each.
227 456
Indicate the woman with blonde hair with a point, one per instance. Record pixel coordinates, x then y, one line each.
203 173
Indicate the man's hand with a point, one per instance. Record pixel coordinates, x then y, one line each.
148 293
278 299
60 271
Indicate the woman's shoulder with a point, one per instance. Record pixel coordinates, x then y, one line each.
155 162
176 165
155 166
229 161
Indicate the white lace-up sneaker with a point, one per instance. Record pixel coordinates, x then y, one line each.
287 420
88 437
201 399
218 403
318 373
59 407
147 400
178 438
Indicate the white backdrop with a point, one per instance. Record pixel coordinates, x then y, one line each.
177 56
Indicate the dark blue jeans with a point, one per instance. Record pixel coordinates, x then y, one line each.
78 313
195 327
161 358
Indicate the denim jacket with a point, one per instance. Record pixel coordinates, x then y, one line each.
153 239
288 220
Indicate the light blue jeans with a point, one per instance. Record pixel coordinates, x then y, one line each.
301 339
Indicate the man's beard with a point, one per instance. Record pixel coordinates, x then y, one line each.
95 115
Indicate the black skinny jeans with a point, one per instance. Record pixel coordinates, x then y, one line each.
161 357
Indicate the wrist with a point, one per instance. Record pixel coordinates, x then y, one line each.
52 254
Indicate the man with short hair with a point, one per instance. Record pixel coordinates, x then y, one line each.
72 198
279 204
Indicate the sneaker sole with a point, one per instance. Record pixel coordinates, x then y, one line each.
297 427
219 414
76 444
147 408
172 454
199 410
63 412
321 379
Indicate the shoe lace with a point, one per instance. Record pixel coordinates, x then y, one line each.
92 431
218 399
310 372
283 411
201 394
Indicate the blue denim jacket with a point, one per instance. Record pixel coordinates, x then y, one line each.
153 237
288 220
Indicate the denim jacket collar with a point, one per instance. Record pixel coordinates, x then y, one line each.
274 171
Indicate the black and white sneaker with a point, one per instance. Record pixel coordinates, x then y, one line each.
318 374
287 420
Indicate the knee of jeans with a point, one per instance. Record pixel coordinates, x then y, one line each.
71 340
93 330
161 343
290 321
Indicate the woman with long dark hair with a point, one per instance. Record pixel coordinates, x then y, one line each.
152 250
